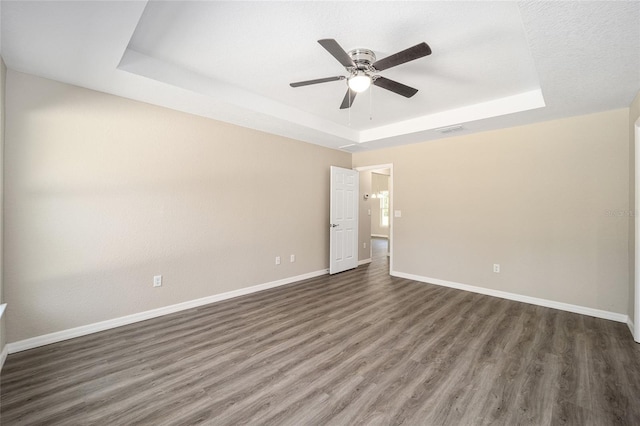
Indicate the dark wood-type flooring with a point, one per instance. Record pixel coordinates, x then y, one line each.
360 347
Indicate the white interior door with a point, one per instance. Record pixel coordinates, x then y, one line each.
344 220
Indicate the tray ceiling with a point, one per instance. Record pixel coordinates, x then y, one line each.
494 64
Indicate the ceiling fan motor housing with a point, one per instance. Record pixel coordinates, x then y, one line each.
363 58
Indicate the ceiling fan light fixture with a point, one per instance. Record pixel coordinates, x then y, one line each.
359 82
363 68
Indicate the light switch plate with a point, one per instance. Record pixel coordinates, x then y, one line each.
397 213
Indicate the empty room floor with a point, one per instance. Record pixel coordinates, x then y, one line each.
359 347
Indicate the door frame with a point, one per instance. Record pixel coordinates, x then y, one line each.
391 204
635 325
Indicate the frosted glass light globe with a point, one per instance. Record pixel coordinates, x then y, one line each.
359 83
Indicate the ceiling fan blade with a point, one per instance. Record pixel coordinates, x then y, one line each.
338 52
316 81
410 54
395 87
348 99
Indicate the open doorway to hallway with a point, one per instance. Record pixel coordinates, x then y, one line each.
380 218
376 218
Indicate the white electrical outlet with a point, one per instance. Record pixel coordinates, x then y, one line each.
364 245
292 258
277 260
496 268
157 281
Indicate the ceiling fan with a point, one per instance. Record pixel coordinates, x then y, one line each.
363 68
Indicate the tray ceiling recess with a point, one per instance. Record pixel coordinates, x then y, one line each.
489 67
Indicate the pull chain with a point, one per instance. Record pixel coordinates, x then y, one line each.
350 103
370 102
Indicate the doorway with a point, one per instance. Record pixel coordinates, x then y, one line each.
376 217
380 215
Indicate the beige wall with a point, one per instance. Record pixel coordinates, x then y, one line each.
634 115
102 193
364 220
533 199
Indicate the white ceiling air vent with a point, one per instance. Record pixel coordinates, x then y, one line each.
450 129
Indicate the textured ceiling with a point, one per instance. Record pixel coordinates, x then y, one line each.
494 64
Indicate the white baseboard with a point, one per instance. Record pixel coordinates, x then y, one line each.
71 333
3 356
379 236
598 313
5 349
364 261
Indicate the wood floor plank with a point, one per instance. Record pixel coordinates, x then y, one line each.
356 348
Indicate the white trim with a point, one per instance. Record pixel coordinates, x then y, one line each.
5 349
364 261
631 327
375 167
3 356
598 313
392 207
71 333
380 236
636 302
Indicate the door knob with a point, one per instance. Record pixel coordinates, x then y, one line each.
333 225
